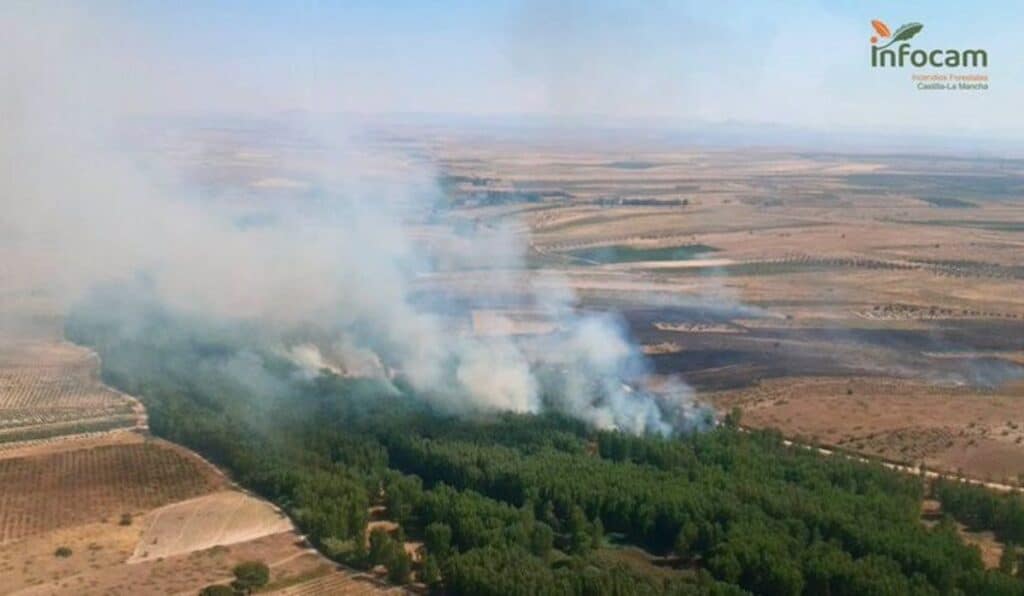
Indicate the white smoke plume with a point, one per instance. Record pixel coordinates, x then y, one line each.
346 261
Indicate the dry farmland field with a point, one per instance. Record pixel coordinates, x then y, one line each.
867 302
51 389
136 515
36 495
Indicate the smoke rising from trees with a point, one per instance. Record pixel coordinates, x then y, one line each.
334 277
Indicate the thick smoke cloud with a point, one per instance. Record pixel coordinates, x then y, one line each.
335 277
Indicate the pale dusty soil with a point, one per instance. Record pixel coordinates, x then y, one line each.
991 549
665 347
384 524
988 545
1014 356
949 428
855 297
225 517
478 283
502 322
698 327
42 354
31 560
184 574
853 294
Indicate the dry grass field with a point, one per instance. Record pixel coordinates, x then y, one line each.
221 518
97 564
957 429
337 583
778 281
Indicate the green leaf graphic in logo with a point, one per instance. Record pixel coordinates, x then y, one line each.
904 33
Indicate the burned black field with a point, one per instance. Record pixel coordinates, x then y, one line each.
955 352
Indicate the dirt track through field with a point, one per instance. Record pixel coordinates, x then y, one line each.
930 474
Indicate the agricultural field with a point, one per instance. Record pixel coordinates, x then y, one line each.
134 514
778 281
97 564
336 583
629 254
50 389
57 490
944 427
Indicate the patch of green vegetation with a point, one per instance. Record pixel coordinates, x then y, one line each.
949 202
628 254
644 562
57 430
632 165
249 576
991 225
981 509
939 185
746 269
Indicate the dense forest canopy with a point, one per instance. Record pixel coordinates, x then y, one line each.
538 504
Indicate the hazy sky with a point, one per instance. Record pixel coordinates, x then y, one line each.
797 62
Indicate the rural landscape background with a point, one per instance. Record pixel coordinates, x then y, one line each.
287 309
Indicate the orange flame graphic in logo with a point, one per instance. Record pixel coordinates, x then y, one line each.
881 28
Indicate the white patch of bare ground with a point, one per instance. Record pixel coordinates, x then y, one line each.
217 519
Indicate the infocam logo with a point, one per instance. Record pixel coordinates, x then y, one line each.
903 55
